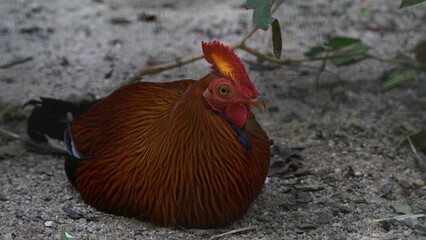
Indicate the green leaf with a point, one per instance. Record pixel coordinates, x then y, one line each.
277 41
406 3
67 236
262 19
351 59
402 208
398 77
262 12
340 42
314 51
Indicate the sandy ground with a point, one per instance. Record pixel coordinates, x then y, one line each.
356 163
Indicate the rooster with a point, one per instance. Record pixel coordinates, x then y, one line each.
185 153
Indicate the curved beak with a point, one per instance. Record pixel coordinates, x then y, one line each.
257 102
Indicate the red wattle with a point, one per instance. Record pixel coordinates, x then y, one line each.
237 114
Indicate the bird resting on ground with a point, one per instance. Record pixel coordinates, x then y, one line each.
184 153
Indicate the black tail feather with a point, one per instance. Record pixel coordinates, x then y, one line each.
49 118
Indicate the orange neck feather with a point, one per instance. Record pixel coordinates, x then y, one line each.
192 107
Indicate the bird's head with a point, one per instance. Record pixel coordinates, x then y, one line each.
231 92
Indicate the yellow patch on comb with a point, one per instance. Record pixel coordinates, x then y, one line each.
222 65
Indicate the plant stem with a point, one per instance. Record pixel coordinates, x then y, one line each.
242 45
186 60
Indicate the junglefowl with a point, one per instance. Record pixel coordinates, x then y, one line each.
185 153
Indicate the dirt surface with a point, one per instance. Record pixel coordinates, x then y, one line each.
351 132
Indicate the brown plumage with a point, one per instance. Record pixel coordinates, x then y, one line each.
173 153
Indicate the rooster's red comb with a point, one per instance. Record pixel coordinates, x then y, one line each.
225 61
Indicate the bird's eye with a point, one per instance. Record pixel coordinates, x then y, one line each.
223 90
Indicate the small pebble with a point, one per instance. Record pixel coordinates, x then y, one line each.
416 182
19 214
46 198
358 174
48 223
101 10
373 26
68 197
82 221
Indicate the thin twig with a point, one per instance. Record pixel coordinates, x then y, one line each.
233 232
397 218
288 61
420 160
16 62
178 63
242 45
322 68
161 67
183 61
9 134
